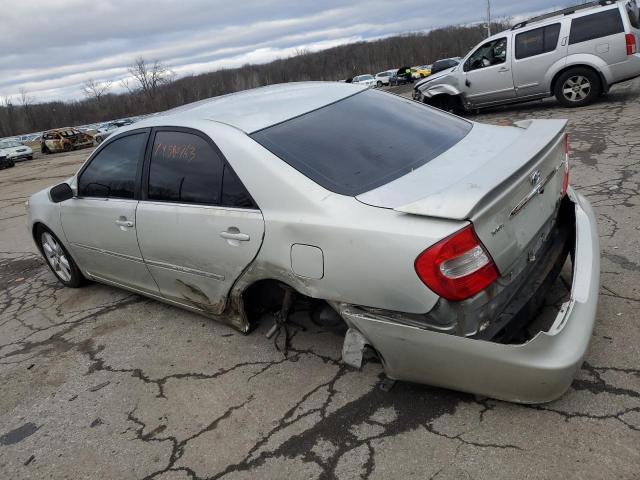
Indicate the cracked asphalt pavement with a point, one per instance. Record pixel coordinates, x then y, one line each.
100 383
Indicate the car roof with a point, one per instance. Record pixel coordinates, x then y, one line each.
258 108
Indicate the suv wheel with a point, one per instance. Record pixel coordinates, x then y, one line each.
379 84
577 87
59 260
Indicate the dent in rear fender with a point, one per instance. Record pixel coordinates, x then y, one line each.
534 372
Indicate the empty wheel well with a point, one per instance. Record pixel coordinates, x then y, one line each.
267 296
603 83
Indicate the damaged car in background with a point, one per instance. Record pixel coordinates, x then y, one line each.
261 200
64 140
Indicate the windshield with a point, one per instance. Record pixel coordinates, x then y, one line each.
366 77
363 141
10 144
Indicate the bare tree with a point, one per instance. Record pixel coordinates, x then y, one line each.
25 99
95 90
150 77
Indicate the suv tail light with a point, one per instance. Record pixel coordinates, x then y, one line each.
565 163
630 40
457 267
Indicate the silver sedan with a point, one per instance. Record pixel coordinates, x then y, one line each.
434 239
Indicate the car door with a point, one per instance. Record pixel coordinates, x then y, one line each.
487 74
99 222
535 51
198 227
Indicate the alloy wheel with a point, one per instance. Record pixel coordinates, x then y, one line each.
576 88
56 257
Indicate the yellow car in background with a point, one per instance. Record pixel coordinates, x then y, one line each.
421 71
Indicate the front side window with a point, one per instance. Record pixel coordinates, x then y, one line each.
184 168
113 171
537 41
491 53
596 25
363 141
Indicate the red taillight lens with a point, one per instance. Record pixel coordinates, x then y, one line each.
630 40
457 267
565 180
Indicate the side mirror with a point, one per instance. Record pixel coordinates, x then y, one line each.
60 193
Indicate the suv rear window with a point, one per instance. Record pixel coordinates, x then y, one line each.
364 141
537 41
632 11
596 25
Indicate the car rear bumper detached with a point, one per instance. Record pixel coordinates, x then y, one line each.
537 371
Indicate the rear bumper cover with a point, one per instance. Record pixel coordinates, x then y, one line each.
537 371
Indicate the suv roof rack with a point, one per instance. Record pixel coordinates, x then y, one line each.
564 11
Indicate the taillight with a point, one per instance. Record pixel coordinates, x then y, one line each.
457 267
565 164
630 40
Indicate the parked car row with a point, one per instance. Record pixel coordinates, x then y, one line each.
395 76
575 54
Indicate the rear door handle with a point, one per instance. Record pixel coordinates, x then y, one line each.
124 223
241 237
504 69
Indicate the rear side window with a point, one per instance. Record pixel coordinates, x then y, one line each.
596 25
112 172
234 193
184 168
537 41
364 141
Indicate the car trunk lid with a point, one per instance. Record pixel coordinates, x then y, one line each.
505 180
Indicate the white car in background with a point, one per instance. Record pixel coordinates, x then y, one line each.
15 150
366 80
382 78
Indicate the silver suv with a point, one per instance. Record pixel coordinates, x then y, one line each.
575 54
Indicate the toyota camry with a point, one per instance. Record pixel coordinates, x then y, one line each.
434 238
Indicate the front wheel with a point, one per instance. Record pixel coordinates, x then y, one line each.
577 87
378 84
59 260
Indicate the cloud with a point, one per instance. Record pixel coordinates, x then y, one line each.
51 48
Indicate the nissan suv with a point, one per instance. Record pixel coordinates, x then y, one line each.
574 54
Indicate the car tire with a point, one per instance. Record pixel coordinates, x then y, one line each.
378 84
577 87
67 147
98 140
44 149
59 260
30 157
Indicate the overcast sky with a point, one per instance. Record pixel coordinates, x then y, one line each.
51 47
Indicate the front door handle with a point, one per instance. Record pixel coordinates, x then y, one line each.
124 223
241 237
503 69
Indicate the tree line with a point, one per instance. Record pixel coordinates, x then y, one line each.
153 88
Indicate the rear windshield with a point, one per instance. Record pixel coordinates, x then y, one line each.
364 141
